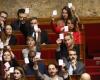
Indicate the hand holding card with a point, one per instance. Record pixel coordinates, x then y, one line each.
65 28
38 55
70 5
27 10
11 69
26 60
36 27
61 36
7 65
54 13
60 62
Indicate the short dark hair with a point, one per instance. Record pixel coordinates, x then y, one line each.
4 12
33 18
22 10
56 66
73 49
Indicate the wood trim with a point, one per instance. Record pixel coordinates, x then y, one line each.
83 20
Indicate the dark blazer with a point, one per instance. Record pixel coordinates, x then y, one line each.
43 35
80 68
63 51
30 71
24 28
12 40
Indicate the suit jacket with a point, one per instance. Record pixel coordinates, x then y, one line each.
63 51
80 68
29 70
12 40
43 36
24 28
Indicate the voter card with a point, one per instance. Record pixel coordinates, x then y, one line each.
36 27
26 60
70 5
61 36
27 10
54 12
60 62
11 69
38 55
65 28
7 65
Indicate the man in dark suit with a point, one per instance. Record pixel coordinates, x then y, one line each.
73 65
3 18
65 45
21 23
40 35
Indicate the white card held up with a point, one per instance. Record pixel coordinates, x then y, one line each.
65 28
26 60
36 27
27 10
25 51
54 12
7 65
61 36
60 62
38 55
11 70
69 5
1 45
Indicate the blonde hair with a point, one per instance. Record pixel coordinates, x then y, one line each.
21 71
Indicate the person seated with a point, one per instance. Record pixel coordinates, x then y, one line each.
29 70
52 73
31 45
17 74
7 36
8 56
63 72
3 18
73 28
35 31
67 13
85 76
74 66
8 59
21 23
65 45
